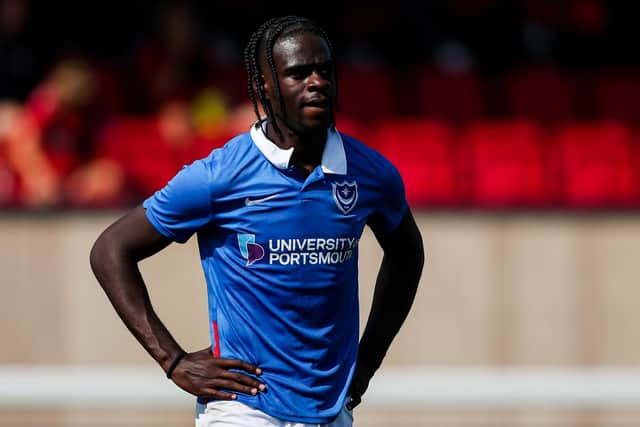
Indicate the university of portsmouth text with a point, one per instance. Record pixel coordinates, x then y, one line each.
311 251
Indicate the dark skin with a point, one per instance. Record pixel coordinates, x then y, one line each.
114 260
307 90
307 83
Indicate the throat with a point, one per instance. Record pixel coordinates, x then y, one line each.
308 147
304 169
307 157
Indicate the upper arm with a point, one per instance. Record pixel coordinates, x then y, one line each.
173 213
392 221
184 205
132 236
404 242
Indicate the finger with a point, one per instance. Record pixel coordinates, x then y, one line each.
238 364
210 393
232 385
355 401
243 379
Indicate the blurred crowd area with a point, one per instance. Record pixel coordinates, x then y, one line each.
480 103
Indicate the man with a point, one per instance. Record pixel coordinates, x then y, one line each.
278 213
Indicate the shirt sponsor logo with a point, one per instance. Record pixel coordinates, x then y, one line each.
250 250
309 251
345 195
333 250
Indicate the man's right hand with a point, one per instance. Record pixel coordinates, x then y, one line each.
203 375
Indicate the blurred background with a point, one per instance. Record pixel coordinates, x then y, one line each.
515 125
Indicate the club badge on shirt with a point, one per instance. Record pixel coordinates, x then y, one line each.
345 195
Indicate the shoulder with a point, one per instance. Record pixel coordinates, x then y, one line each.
367 160
234 149
217 170
233 154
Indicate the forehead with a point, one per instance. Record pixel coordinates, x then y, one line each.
300 49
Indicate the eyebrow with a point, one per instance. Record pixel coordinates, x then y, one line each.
304 67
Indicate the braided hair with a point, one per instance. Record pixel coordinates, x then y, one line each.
265 38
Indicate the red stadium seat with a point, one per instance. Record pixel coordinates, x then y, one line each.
456 97
353 128
594 165
136 146
540 93
504 164
618 95
148 158
423 152
365 93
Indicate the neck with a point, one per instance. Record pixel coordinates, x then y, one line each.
307 147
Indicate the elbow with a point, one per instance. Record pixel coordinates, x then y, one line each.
96 255
102 255
418 252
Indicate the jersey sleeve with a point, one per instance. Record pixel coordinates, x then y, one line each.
184 205
393 204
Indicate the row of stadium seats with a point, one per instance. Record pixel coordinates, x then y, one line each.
486 164
511 164
541 93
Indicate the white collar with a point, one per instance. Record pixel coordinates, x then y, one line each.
334 159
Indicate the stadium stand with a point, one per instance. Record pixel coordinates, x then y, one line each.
542 93
617 95
365 92
455 97
504 164
424 153
592 164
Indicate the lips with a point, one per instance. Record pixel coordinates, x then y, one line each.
318 103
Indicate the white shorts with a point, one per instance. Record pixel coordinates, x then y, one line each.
229 413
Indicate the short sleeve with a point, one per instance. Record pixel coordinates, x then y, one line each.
183 206
392 205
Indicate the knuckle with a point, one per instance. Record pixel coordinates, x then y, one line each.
217 383
238 377
216 394
225 384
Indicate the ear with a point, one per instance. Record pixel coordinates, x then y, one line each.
266 86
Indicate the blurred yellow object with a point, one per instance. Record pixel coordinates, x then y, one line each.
209 112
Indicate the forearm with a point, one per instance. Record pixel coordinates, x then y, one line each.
395 290
118 274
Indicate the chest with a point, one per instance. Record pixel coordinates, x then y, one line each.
327 207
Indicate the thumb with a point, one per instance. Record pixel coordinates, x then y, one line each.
356 390
353 402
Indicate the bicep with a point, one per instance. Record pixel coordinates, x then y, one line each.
402 241
133 236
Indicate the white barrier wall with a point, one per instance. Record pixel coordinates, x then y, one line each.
496 290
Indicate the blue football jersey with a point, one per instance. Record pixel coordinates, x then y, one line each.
280 258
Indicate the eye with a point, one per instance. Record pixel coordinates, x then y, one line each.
298 74
325 71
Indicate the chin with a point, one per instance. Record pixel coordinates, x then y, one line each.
316 123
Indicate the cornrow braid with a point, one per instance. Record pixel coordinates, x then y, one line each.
265 38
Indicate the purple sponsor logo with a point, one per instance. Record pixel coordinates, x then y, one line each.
250 250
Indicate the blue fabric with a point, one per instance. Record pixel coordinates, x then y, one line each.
280 257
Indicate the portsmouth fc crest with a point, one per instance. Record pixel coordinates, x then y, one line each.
346 195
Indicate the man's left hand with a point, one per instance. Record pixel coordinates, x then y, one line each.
359 384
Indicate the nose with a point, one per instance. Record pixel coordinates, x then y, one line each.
317 81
